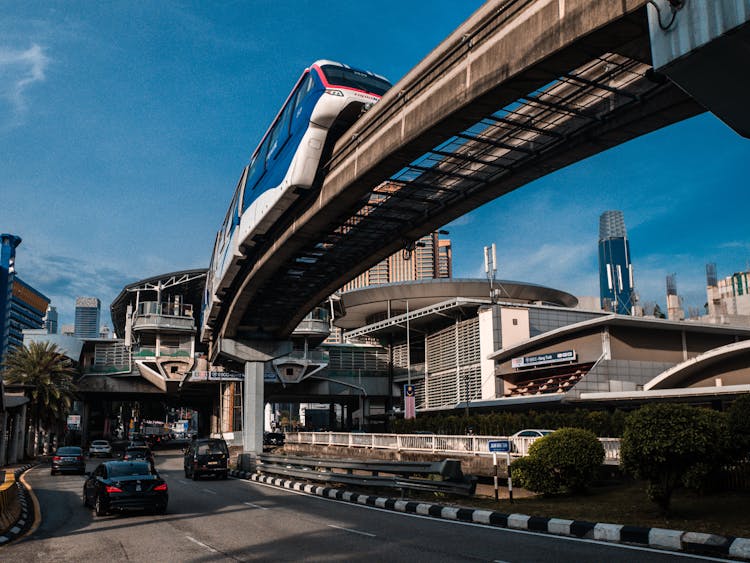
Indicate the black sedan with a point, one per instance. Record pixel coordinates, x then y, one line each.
125 485
68 459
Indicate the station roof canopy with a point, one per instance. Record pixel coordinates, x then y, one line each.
381 309
188 283
612 320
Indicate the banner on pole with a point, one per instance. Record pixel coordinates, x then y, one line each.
410 409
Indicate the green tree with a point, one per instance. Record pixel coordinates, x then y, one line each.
672 445
47 375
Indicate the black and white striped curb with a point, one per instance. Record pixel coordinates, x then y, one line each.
675 540
26 517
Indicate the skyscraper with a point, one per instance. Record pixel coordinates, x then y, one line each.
50 320
615 270
8 244
88 311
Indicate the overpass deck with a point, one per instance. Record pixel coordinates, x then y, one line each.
523 88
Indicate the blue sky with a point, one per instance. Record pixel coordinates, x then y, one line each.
124 127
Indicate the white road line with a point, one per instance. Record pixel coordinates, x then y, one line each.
676 554
209 491
352 531
181 481
200 543
255 505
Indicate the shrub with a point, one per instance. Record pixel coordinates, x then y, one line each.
564 461
738 419
673 445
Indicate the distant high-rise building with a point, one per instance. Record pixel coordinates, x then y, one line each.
50 321
88 312
68 330
727 297
615 270
27 309
431 258
8 244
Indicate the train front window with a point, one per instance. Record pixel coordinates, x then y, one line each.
348 77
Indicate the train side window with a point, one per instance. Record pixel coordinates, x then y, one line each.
304 89
280 132
257 167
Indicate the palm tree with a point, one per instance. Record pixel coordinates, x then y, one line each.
47 373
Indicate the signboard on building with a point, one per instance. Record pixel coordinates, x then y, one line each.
544 359
212 376
74 422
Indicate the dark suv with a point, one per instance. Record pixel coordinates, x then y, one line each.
207 456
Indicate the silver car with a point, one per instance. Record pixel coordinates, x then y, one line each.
100 448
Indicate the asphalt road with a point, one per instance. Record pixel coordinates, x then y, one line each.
236 520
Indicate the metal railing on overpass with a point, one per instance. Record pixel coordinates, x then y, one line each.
433 443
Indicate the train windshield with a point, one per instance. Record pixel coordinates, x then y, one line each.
348 77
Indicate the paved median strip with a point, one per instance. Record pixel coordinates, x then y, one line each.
674 540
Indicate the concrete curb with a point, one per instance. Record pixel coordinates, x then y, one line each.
674 540
26 517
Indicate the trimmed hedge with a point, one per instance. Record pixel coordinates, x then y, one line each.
564 461
602 423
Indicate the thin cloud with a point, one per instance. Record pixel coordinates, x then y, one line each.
19 70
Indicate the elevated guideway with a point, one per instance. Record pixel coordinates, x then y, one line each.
521 89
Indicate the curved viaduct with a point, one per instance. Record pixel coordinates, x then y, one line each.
522 88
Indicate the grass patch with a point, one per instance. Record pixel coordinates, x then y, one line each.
723 513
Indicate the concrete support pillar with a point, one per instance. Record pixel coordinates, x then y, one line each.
332 417
85 412
3 439
252 402
14 438
21 434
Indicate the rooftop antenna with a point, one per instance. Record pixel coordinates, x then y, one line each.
490 269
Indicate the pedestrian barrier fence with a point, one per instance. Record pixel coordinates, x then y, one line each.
10 507
433 443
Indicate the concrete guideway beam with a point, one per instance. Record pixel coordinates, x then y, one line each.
250 351
703 46
506 50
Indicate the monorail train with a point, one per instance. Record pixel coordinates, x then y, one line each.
325 101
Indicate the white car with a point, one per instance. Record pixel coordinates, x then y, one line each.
521 440
100 448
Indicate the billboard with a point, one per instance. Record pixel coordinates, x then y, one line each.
544 359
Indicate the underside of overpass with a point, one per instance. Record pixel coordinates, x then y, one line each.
520 90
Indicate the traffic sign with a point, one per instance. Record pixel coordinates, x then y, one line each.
499 445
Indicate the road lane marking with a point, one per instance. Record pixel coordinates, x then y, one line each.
200 543
181 481
209 491
352 531
572 539
255 505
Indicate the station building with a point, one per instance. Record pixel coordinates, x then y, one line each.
534 348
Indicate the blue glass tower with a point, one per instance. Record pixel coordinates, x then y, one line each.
615 269
8 244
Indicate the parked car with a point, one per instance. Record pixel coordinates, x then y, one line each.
521 440
125 485
100 448
206 456
68 459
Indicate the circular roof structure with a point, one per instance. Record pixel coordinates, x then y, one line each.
188 283
368 304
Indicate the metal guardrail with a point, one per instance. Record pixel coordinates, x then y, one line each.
442 476
433 443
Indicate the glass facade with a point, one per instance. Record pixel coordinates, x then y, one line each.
88 311
615 270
